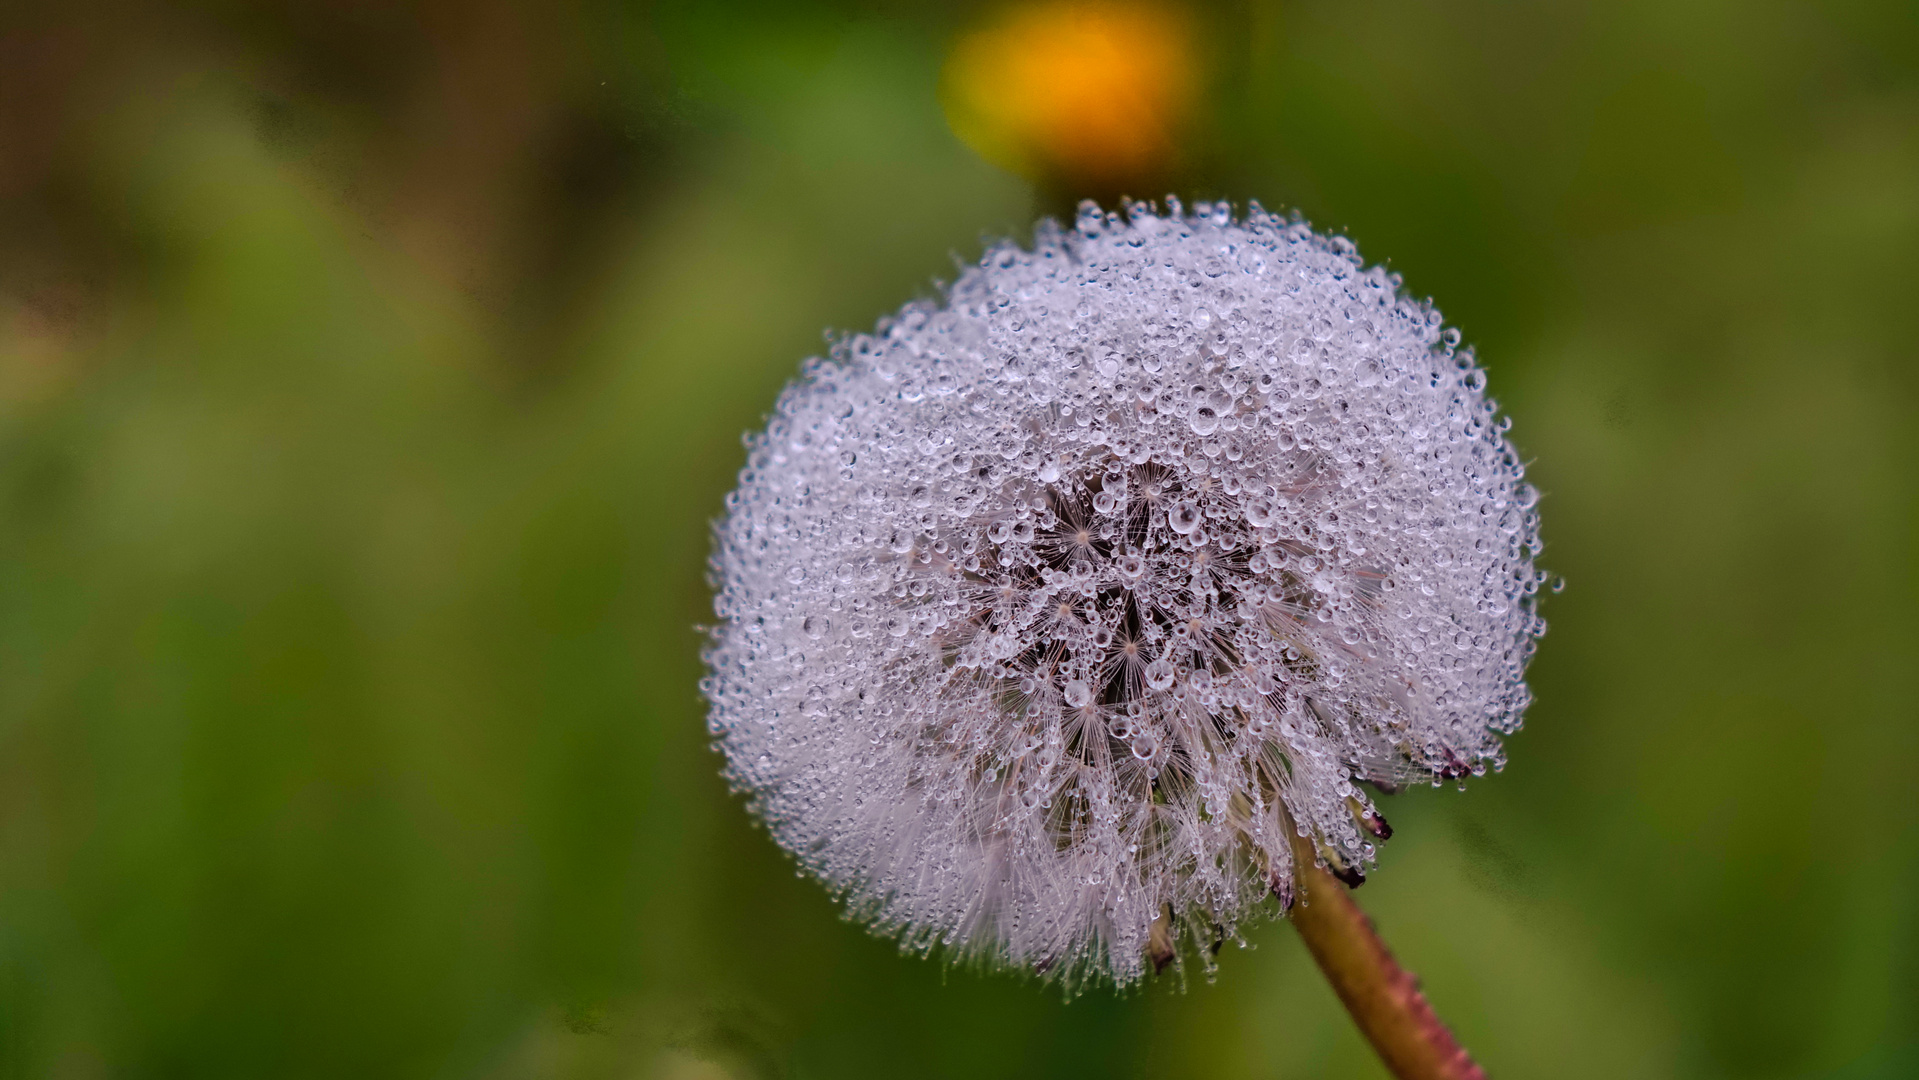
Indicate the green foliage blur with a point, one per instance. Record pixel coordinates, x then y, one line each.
370 374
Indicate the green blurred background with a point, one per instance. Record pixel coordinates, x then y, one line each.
370 372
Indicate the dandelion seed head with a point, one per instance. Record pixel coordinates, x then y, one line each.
1067 601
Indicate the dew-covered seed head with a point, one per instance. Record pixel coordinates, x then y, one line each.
1071 599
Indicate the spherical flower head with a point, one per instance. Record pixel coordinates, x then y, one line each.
1050 614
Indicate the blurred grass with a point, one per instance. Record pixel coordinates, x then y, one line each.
352 547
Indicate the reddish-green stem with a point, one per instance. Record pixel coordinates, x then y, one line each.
1383 997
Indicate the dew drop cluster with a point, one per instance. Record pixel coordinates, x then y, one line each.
1057 609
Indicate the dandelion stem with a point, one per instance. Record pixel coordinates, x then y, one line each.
1383 997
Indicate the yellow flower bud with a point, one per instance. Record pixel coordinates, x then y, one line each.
1087 95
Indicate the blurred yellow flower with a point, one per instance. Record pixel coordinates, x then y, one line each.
1086 94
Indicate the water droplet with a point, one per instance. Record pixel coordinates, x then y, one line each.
1183 517
1160 675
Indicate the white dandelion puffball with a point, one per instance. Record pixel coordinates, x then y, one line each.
1051 612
